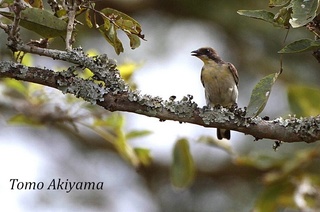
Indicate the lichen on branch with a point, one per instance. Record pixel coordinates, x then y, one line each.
107 89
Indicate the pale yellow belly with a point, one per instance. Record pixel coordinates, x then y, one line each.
220 88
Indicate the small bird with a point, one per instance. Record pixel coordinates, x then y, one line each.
220 81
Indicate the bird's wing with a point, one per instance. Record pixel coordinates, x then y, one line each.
234 72
202 77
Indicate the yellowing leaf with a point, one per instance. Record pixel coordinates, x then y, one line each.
40 21
260 95
88 18
182 168
26 60
16 85
115 20
112 37
127 69
124 22
92 52
35 3
21 119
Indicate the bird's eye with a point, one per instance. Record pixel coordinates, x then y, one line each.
207 51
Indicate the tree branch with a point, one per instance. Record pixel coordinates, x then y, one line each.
108 90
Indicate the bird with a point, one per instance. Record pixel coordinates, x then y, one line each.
220 81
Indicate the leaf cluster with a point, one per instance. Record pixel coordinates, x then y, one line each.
114 20
291 14
53 23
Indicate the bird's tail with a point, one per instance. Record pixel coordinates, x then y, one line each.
223 133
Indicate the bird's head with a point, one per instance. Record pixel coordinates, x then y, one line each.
205 54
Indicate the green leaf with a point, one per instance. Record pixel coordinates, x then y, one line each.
260 95
137 133
278 3
303 12
258 14
40 21
304 100
112 37
261 15
182 168
143 156
303 45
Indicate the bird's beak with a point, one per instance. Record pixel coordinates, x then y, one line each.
195 53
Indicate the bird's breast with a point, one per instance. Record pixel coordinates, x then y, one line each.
219 84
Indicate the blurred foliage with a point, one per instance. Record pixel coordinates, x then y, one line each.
222 144
182 168
111 129
304 100
284 180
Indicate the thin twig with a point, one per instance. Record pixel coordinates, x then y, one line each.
71 19
17 8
